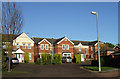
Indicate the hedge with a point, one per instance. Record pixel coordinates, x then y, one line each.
47 59
105 61
57 59
78 58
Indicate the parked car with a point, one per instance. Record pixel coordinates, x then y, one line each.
66 59
15 61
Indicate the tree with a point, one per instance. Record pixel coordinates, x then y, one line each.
26 57
106 46
12 22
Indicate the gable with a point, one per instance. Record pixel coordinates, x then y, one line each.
65 38
23 38
44 40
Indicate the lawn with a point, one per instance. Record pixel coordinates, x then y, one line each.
14 72
96 68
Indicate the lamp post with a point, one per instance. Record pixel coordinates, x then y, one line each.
95 13
52 50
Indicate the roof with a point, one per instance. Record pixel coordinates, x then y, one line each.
51 40
116 53
76 42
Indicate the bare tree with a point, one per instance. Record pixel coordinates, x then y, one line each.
12 22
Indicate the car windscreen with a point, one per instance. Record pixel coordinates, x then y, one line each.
68 57
14 59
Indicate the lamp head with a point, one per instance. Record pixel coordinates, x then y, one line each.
94 12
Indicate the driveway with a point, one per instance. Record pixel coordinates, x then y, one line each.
61 70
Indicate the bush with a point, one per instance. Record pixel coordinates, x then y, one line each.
94 62
78 58
26 57
57 59
38 61
4 63
46 58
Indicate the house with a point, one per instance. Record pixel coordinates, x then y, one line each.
64 46
21 44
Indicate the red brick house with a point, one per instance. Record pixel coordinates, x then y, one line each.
36 46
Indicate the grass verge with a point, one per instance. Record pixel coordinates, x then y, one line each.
96 68
14 72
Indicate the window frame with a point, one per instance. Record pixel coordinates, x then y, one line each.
79 48
29 46
41 46
91 48
85 50
23 45
67 46
47 46
64 46
30 56
17 46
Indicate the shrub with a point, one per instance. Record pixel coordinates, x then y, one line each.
78 58
57 59
26 57
4 64
46 58
38 61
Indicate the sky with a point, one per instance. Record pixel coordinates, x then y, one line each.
71 19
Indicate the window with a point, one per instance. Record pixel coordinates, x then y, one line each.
91 55
29 56
67 47
91 48
29 46
79 48
42 46
46 46
63 46
17 45
3 46
85 50
24 46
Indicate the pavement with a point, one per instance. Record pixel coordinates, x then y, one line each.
60 70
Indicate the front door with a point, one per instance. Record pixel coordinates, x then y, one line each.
19 57
82 57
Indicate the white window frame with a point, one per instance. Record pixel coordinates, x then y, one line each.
79 48
23 46
29 46
64 46
85 50
41 46
67 47
17 46
45 46
30 56
91 55
91 48
3 46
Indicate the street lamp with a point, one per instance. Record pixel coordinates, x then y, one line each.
95 13
52 49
